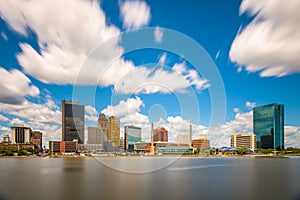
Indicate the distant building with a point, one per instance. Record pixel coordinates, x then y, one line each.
62 146
114 131
72 121
172 148
20 134
111 127
132 135
141 146
246 140
103 124
202 143
122 144
90 148
96 136
37 139
54 146
268 126
6 140
160 134
183 139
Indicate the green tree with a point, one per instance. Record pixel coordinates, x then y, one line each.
242 150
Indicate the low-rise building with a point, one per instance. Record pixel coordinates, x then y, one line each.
62 146
202 143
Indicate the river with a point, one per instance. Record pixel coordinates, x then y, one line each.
150 178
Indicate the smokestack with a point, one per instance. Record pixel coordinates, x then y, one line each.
191 134
152 125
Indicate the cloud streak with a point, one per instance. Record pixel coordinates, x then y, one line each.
269 44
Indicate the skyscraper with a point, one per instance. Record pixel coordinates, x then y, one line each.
72 121
114 131
110 127
132 135
268 126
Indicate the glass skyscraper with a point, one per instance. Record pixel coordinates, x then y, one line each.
72 121
132 135
268 126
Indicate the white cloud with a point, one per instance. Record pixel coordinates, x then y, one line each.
217 54
136 119
5 129
158 34
271 42
292 136
124 108
145 80
236 110
4 36
135 14
3 118
63 48
17 122
66 34
162 59
91 113
250 105
41 113
14 86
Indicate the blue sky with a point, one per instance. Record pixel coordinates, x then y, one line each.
80 50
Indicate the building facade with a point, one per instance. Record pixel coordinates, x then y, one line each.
244 140
132 135
72 121
114 131
202 143
268 126
20 134
110 127
96 136
37 139
62 147
160 134
103 124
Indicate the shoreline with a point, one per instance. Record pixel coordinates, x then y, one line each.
157 156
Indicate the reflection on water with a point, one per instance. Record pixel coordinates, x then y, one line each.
187 178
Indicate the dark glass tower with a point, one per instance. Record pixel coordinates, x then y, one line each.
268 126
72 121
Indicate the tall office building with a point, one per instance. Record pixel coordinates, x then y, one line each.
103 123
160 134
110 127
72 121
244 140
268 126
20 134
132 135
114 131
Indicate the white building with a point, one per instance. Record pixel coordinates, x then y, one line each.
20 134
246 140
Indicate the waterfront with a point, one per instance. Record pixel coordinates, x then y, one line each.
185 178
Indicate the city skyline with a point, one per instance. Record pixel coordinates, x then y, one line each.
43 51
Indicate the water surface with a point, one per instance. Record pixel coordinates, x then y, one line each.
184 178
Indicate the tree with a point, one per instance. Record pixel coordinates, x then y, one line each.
242 150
